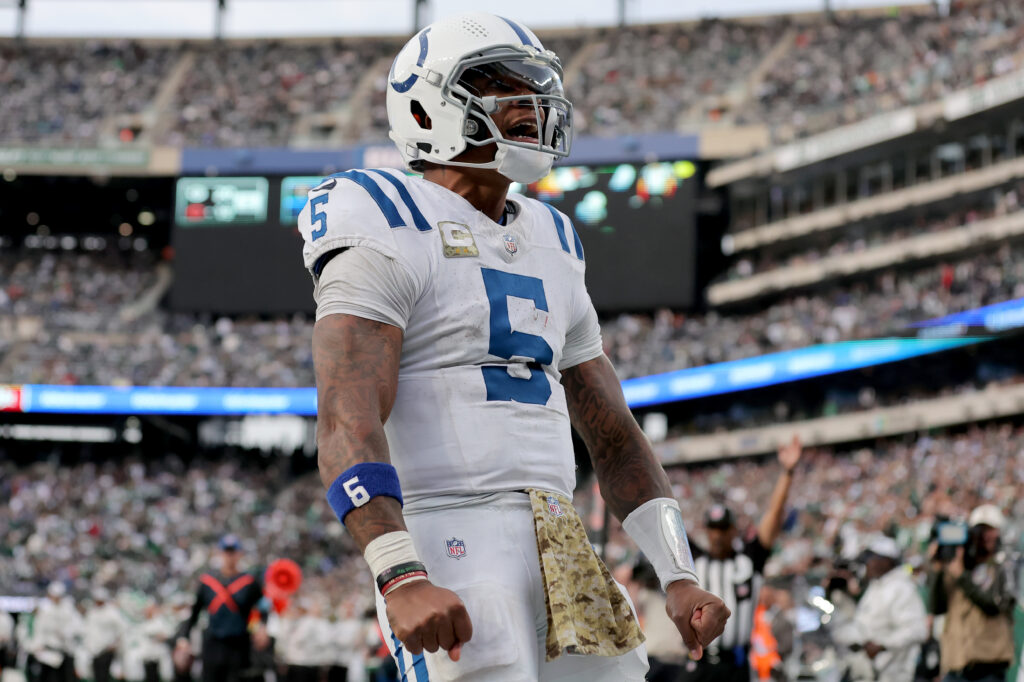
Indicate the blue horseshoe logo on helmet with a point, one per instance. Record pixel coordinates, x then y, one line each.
403 86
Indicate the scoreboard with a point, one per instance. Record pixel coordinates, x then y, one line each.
201 202
637 223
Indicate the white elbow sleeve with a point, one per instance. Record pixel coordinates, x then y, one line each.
656 527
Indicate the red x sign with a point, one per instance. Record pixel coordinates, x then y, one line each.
224 596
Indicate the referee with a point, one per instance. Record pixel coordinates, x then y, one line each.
734 571
230 597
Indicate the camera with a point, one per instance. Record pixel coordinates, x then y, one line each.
949 535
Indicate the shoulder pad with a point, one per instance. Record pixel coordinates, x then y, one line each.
357 208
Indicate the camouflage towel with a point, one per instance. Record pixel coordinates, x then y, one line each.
587 614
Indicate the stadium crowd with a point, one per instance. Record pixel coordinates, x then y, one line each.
252 95
883 304
885 63
638 78
139 532
74 302
62 93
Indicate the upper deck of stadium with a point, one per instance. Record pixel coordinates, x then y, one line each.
764 80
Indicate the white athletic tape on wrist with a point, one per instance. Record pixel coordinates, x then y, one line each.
390 549
656 527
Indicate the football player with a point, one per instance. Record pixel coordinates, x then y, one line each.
455 343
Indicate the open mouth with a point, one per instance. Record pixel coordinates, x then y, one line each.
523 131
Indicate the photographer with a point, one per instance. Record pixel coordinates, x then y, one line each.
888 624
975 589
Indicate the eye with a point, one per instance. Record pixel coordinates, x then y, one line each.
501 86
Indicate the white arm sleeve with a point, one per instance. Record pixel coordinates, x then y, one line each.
656 526
583 340
364 282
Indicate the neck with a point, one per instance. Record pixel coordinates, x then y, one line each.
484 188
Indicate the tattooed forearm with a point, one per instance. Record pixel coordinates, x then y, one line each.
627 470
356 364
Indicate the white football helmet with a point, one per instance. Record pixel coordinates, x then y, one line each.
436 107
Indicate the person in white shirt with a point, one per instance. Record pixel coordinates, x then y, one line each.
158 630
347 644
52 634
889 625
300 642
102 631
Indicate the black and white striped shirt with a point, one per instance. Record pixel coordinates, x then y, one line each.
736 581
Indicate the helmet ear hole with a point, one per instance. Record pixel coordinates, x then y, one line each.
420 114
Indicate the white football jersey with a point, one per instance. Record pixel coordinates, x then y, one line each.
497 311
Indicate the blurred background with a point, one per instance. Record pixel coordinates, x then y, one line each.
801 218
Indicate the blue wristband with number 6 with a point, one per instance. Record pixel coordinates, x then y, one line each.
360 484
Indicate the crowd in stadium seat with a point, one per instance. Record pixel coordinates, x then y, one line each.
81 291
643 79
77 299
251 95
151 525
885 63
640 344
636 79
60 93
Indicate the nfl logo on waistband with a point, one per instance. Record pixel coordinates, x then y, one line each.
554 507
456 548
510 244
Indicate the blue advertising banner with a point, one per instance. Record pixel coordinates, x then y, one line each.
998 317
777 368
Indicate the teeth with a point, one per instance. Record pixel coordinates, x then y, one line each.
524 129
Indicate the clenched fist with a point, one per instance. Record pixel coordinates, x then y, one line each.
699 616
425 616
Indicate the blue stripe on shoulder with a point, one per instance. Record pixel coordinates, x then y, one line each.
560 229
559 226
523 35
417 216
385 204
419 665
576 241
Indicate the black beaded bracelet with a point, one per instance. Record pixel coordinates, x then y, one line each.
398 571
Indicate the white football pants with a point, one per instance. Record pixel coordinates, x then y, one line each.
486 552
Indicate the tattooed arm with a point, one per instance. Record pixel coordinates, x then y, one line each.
627 470
630 475
356 364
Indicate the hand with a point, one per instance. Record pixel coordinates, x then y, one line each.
955 568
260 638
425 616
182 656
872 649
698 615
789 454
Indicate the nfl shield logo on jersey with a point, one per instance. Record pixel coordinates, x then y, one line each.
553 507
510 244
456 548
